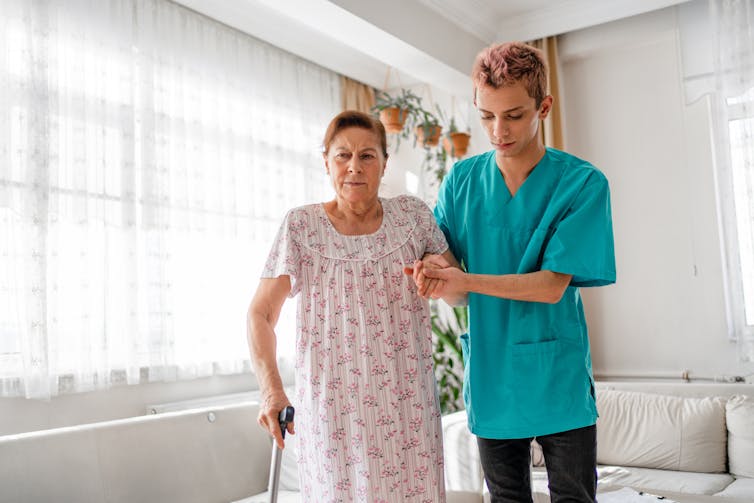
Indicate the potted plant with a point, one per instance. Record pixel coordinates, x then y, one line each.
428 129
447 328
435 161
395 111
456 142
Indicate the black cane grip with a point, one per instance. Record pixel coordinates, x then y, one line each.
285 417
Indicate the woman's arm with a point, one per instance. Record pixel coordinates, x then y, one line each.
261 320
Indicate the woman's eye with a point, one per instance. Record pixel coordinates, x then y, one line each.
342 156
514 117
367 157
487 117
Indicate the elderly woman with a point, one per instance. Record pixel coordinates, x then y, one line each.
367 413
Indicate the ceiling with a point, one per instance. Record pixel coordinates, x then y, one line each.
402 42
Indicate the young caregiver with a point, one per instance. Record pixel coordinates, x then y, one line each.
530 225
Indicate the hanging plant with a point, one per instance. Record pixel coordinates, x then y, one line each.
428 130
436 161
456 142
428 136
393 119
397 113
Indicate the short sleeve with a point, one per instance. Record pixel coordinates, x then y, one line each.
582 241
284 258
444 214
436 242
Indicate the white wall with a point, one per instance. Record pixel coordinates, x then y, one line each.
625 112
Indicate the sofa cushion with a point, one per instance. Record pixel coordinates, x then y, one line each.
740 488
663 480
740 419
663 432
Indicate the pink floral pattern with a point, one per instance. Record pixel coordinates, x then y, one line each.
367 413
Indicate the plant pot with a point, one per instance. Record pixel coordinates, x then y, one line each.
458 144
393 118
431 139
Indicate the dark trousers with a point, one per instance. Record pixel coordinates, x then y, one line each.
570 456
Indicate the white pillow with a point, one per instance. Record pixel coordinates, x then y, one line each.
740 417
659 431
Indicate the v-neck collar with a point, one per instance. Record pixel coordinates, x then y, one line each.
501 186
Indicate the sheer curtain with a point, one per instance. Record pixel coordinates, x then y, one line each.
356 96
147 156
733 59
717 37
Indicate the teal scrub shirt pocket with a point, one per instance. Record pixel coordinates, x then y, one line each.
548 382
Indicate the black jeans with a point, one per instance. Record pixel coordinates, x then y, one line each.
570 456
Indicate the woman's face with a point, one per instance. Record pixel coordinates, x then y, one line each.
355 163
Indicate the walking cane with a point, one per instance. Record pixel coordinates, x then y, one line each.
285 417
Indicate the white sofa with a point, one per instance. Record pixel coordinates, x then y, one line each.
688 445
690 442
206 455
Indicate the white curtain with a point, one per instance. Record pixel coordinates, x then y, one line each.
733 63
147 156
717 49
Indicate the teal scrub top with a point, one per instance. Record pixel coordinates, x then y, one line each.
528 369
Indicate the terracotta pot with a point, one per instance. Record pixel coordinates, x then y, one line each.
393 118
458 144
432 139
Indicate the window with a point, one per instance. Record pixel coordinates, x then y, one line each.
716 38
739 212
741 132
147 156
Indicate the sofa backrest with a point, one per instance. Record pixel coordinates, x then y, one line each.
689 389
740 421
661 431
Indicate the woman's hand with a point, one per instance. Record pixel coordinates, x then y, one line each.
427 287
439 276
269 414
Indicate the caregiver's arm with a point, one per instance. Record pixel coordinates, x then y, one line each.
262 317
540 286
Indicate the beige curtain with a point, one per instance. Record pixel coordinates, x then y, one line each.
355 95
552 131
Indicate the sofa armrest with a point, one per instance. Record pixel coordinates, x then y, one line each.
463 468
199 455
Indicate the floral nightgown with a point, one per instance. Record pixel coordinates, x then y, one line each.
367 413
